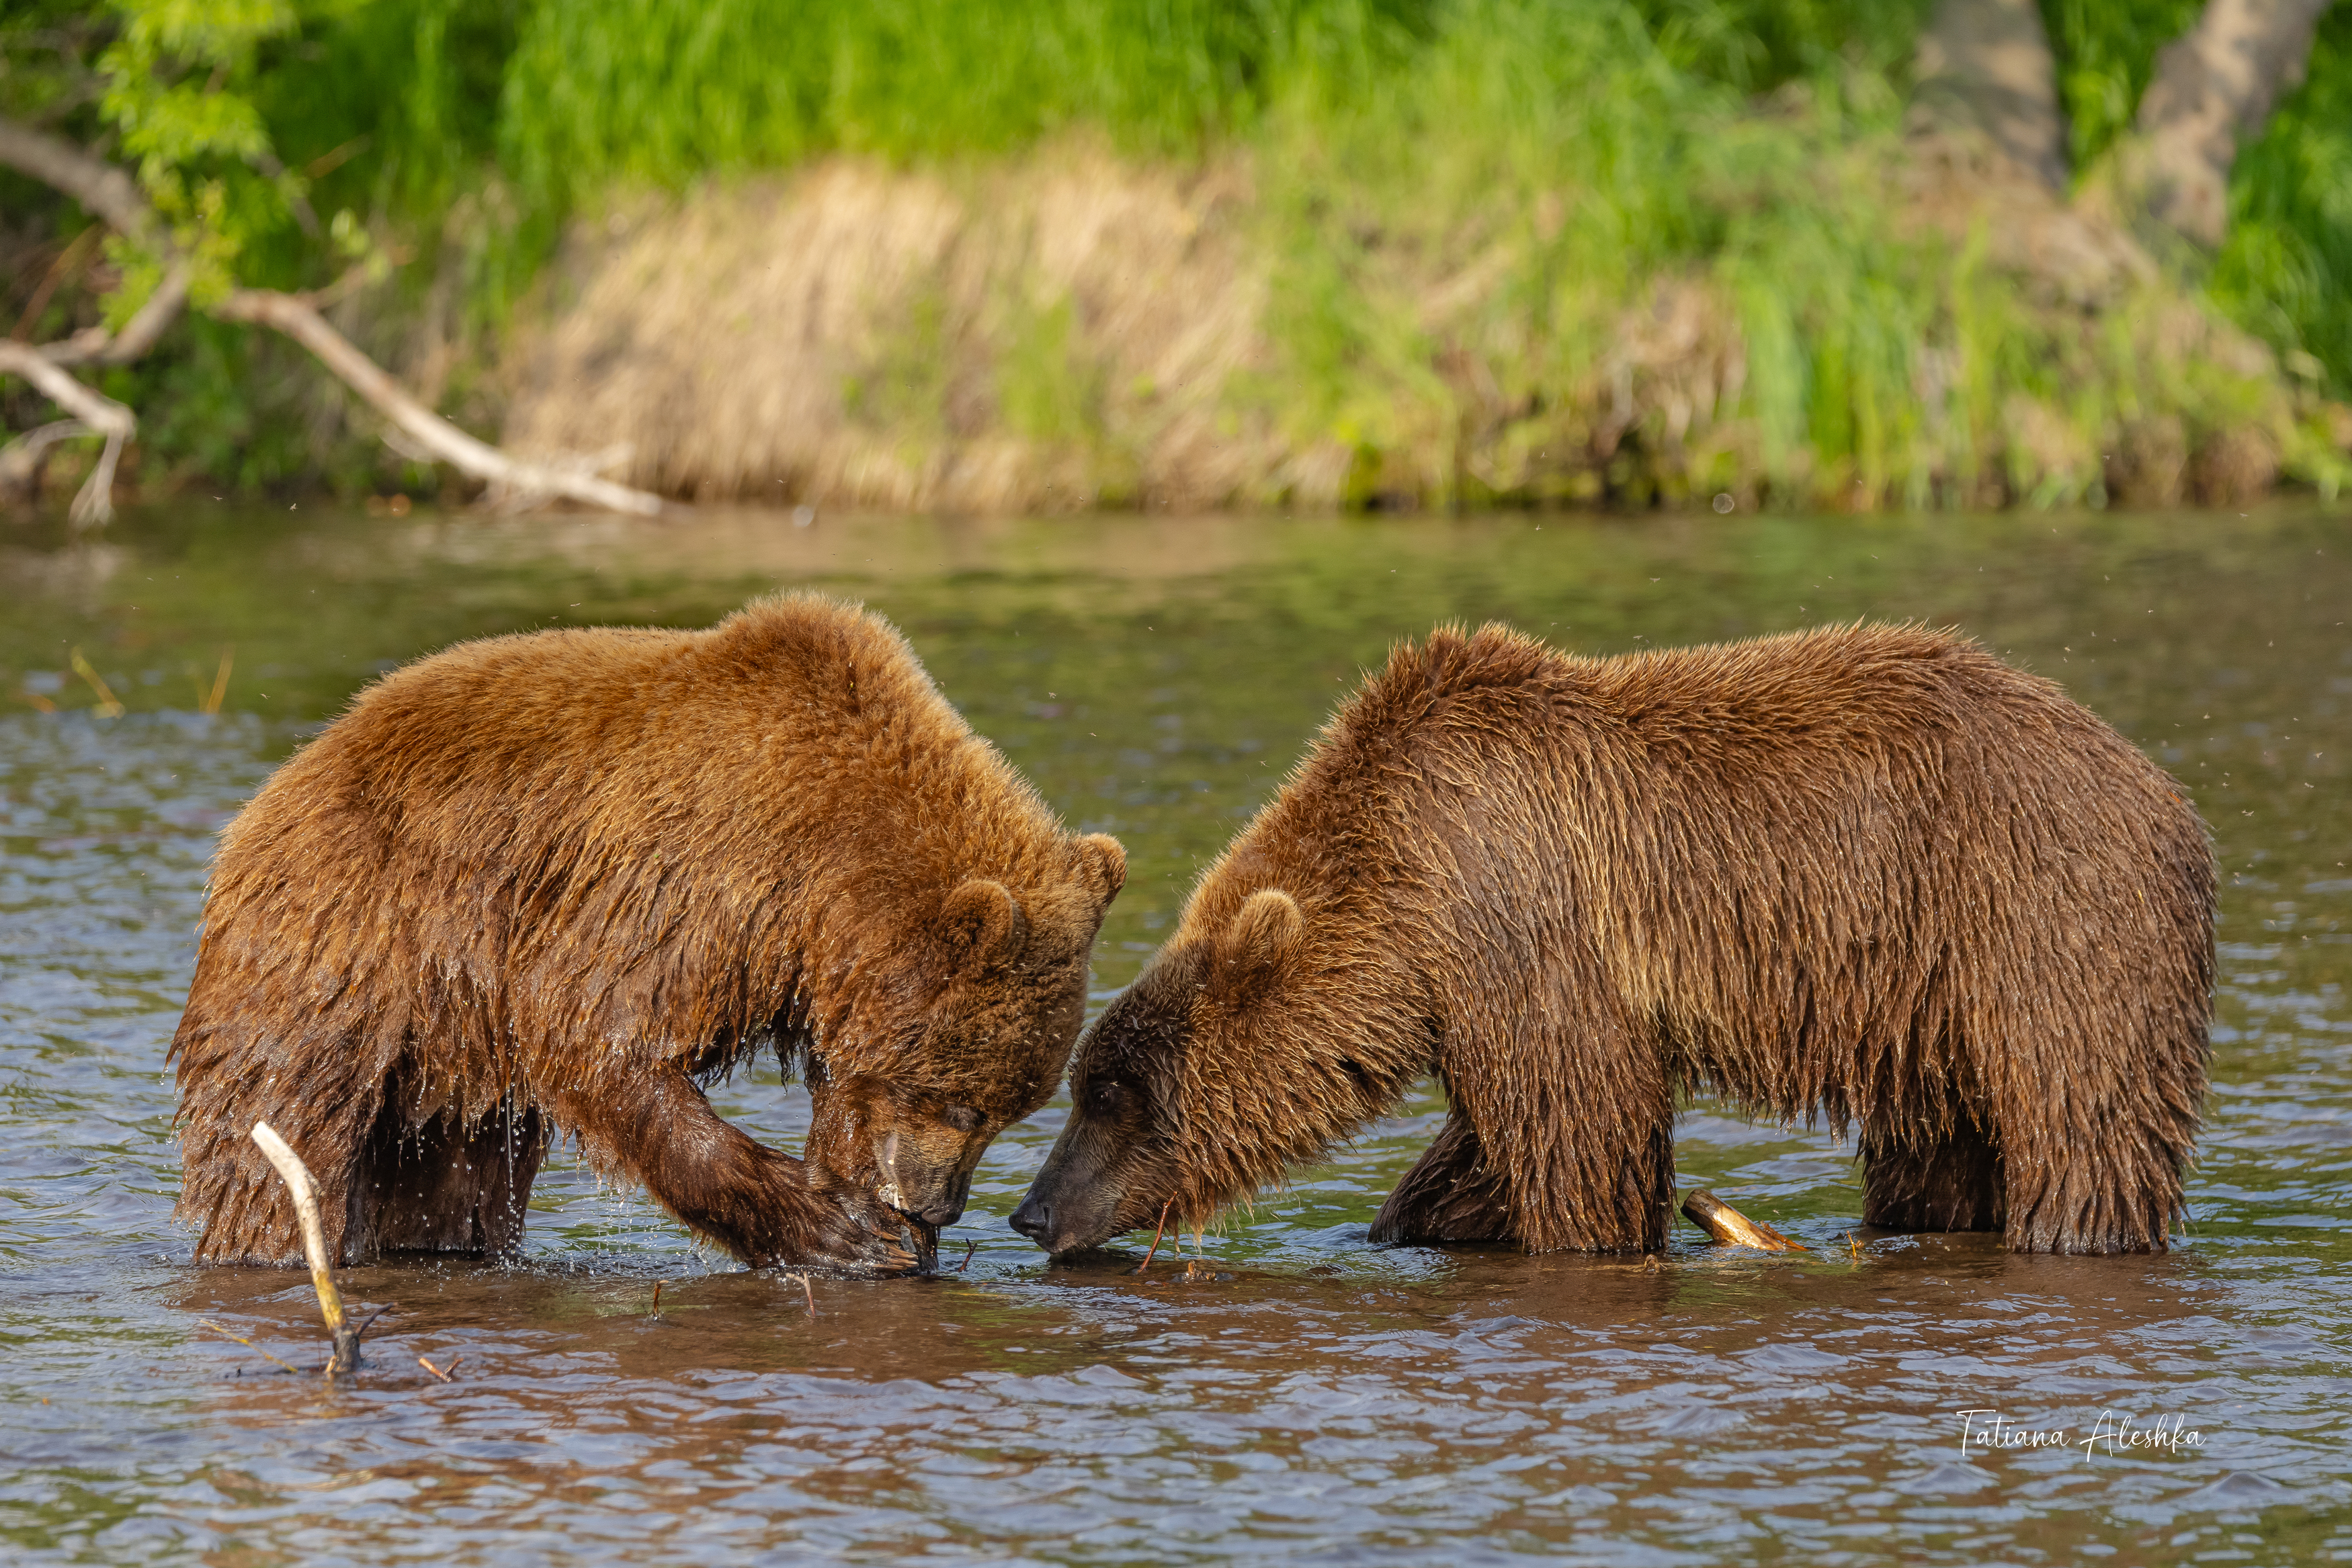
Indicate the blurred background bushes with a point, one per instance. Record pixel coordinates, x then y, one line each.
1739 160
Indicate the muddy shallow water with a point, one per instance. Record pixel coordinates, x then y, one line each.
1286 1391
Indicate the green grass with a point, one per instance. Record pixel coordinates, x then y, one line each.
1576 157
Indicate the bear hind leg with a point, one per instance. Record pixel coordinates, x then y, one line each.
1451 1195
445 1187
1950 1181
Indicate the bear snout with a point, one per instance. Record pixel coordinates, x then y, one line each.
1033 1219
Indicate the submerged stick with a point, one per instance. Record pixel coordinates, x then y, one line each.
1727 1225
1155 1235
296 1177
246 1342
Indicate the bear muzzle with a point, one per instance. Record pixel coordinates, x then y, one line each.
1066 1212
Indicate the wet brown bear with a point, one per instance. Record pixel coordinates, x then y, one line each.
1867 870
551 883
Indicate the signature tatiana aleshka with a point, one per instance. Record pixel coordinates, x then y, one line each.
2118 1432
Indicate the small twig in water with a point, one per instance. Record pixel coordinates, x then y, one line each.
1850 1245
108 705
970 1246
211 701
305 1193
246 1342
810 1292
443 1377
658 1285
1155 1235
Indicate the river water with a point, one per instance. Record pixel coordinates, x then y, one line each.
1287 1392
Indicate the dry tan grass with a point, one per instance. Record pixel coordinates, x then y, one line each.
1071 329
742 339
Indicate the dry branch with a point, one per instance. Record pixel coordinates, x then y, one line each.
1727 1225
103 190
296 1177
95 502
436 436
23 460
115 198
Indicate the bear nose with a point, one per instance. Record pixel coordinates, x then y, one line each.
941 1214
1033 1219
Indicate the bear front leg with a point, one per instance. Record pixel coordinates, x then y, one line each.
1451 1195
656 1126
1570 1102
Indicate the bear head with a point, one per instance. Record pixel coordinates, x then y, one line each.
955 1034
1228 1059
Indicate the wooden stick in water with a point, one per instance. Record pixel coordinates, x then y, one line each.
1155 1235
305 1193
1727 1225
248 1344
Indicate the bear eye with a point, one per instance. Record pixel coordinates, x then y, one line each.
1106 1097
962 1118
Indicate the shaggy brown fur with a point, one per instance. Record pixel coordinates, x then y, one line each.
553 884
1869 871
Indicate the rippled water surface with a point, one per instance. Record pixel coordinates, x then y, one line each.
1287 1392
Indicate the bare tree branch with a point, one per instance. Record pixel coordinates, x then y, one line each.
2215 88
108 193
95 503
294 317
104 191
23 459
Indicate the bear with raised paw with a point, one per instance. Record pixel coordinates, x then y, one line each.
1870 872
554 883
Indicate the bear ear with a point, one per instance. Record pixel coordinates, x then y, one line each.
984 925
1102 861
1263 934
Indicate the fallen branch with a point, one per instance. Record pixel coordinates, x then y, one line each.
240 1338
1727 1225
103 190
294 316
95 502
1155 1235
443 1377
23 460
296 1177
113 196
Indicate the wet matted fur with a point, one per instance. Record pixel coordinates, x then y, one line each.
553 884
1870 872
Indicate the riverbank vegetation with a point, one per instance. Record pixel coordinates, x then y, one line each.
1190 253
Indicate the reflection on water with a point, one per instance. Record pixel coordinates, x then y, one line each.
1288 1391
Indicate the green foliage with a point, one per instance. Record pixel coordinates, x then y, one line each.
1563 156
1048 388
2286 270
2106 56
2286 267
178 79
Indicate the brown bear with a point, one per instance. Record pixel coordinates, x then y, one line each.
553 884
1868 871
